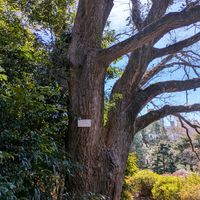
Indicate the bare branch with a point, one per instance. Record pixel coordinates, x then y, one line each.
157 29
146 95
157 10
182 120
167 87
194 126
177 46
158 68
155 115
192 53
190 4
151 73
137 65
189 59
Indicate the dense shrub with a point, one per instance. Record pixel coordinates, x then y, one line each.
33 117
191 188
145 184
131 166
33 124
144 181
190 192
131 169
167 188
193 178
140 184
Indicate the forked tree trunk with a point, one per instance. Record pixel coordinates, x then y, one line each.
100 153
102 169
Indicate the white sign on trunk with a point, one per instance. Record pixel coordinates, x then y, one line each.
84 123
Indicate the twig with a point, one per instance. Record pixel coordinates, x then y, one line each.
182 121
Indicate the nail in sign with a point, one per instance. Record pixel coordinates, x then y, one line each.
84 123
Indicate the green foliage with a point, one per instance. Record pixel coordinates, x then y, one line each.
164 162
131 169
147 144
167 188
191 187
56 15
20 52
185 156
111 104
145 184
139 146
33 117
131 165
190 192
139 185
113 72
144 181
108 37
32 158
157 152
193 178
3 76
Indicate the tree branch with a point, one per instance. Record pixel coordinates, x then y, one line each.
158 68
157 10
137 64
151 73
194 126
182 120
155 115
176 47
88 28
136 17
157 29
167 87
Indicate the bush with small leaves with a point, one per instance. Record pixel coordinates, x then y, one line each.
190 192
144 181
131 169
167 188
140 184
191 188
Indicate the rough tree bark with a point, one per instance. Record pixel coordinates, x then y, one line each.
102 151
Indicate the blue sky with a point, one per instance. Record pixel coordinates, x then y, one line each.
118 18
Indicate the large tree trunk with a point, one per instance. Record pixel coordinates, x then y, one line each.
102 151
99 173
86 102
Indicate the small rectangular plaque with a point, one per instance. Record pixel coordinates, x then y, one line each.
84 123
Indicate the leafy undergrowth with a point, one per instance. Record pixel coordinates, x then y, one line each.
145 184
